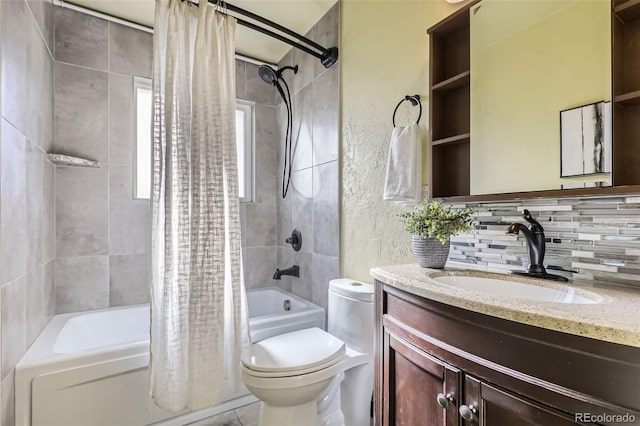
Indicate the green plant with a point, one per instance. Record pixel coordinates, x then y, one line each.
434 220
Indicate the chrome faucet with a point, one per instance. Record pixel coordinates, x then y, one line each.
536 243
294 271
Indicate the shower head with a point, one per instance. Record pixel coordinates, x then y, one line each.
268 74
271 76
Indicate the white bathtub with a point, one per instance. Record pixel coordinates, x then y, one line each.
91 368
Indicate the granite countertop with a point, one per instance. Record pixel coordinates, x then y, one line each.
614 318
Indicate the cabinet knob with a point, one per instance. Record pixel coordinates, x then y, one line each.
468 412
445 400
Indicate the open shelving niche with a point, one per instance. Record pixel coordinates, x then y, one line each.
449 116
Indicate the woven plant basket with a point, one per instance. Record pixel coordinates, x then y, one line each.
430 252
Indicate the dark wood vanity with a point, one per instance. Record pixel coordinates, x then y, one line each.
437 364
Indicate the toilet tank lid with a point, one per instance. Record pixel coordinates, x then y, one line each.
352 288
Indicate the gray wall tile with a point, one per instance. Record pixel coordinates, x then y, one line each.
48 290
8 400
326 223
27 78
303 286
34 313
324 269
260 216
240 79
326 32
14 323
128 218
266 141
305 63
35 161
43 13
81 112
302 139
81 39
15 42
302 201
13 192
259 266
284 260
285 223
256 89
81 211
120 119
326 116
128 280
81 283
131 50
49 213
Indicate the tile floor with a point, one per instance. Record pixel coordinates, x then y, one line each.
243 416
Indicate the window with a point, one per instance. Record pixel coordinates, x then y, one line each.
143 107
143 116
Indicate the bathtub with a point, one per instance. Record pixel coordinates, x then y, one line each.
91 368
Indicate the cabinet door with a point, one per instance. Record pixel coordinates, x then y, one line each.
485 405
419 390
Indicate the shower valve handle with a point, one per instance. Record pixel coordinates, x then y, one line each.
295 240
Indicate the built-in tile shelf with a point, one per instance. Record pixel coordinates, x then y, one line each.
71 161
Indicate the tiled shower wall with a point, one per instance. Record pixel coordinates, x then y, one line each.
26 184
27 231
101 231
591 238
312 204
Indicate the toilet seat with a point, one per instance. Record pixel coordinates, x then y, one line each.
293 354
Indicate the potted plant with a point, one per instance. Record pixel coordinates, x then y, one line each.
432 225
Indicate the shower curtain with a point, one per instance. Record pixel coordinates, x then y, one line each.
198 303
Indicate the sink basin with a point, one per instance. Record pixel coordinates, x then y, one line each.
508 287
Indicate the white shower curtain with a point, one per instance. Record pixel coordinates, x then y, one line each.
198 311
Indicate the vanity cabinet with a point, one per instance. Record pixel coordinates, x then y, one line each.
437 364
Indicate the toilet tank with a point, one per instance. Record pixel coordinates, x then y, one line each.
350 313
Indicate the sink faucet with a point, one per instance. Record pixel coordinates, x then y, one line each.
294 271
536 243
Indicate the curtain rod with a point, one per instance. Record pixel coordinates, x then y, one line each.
328 56
130 24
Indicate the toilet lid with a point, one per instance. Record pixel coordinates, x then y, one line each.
293 352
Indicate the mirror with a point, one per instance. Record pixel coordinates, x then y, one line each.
530 61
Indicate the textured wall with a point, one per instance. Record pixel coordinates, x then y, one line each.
26 184
385 56
312 204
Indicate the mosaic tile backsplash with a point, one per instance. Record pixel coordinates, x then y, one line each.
587 238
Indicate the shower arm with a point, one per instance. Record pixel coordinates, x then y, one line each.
328 56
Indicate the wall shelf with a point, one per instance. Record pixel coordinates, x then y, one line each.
465 137
626 99
454 82
71 161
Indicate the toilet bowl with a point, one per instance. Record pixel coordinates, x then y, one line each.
314 378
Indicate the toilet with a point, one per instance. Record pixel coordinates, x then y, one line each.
315 378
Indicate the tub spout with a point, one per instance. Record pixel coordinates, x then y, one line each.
294 271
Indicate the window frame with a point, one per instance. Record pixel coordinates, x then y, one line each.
247 107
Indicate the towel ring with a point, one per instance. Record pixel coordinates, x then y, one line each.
415 101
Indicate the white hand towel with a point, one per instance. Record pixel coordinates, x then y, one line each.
403 183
